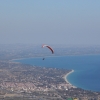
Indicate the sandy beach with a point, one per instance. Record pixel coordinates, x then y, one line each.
65 77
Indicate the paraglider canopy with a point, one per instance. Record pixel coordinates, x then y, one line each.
48 48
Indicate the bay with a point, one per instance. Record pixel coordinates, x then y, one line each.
86 68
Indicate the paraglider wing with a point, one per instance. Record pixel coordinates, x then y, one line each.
48 47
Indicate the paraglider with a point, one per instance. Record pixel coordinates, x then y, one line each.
52 51
48 47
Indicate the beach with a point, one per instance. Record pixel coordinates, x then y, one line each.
65 78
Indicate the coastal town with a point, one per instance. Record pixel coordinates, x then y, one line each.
32 82
26 82
26 78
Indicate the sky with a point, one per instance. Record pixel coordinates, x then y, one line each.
70 22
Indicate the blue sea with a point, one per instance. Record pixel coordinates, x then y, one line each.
86 68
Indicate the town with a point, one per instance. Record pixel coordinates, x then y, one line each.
26 82
32 82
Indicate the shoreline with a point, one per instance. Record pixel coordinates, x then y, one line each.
65 78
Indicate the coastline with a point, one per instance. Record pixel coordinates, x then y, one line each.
65 78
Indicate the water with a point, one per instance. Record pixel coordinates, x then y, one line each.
86 68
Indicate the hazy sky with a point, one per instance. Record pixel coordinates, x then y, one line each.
67 22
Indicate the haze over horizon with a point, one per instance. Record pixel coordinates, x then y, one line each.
70 22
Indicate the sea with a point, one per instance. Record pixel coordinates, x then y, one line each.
86 68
